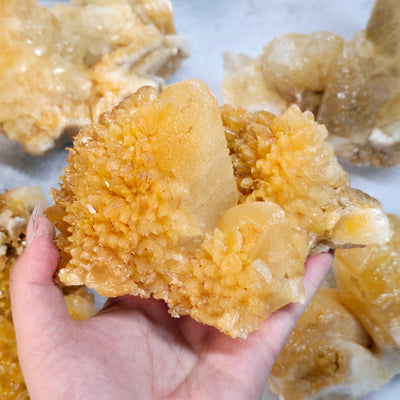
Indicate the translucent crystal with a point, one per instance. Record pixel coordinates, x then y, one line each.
12 384
360 105
347 343
289 163
244 85
298 67
353 87
369 282
328 355
383 29
61 68
152 204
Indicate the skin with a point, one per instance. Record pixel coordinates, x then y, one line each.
133 349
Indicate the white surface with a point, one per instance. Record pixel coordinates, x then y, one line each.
241 26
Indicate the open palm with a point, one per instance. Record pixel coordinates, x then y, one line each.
133 349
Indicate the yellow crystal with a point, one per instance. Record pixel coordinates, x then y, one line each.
352 86
369 283
80 303
328 355
12 384
151 203
61 68
16 206
347 343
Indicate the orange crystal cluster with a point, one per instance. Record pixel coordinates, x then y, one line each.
347 343
353 87
16 206
61 68
152 204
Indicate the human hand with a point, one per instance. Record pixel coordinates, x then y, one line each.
133 349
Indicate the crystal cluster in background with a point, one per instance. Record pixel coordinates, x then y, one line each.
353 87
61 68
347 343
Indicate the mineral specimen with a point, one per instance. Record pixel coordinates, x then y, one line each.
369 285
286 160
16 206
151 204
353 87
80 303
244 85
328 355
347 343
299 67
61 68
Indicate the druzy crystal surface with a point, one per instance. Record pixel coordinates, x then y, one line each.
328 356
213 211
369 282
347 343
61 68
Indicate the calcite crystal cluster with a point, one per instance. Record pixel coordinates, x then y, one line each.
212 210
328 355
353 87
61 68
347 343
16 206
369 283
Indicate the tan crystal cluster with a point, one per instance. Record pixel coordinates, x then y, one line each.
347 343
369 283
212 210
353 87
328 355
16 206
61 68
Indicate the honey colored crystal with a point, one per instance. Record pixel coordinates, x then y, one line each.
61 68
152 204
328 355
347 342
299 67
12 384
353 87
369 284
16 206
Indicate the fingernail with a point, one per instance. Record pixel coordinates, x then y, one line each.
30 231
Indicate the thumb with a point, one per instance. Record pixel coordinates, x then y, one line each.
37 302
